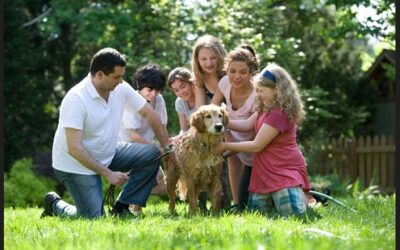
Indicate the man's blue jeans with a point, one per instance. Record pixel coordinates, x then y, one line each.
86 190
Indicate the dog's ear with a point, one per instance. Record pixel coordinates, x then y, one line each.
197 121
226 116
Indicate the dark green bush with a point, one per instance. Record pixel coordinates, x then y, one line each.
22 188
330 181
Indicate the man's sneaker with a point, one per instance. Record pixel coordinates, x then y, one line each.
49 199
126 213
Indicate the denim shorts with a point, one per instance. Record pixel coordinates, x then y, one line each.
288 201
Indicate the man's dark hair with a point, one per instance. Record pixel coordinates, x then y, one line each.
149 76
105 60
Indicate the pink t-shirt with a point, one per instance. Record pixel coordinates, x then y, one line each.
242 113
280 164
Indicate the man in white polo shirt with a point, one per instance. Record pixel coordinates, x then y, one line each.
85 144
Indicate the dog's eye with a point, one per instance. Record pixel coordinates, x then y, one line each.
208 116
220 116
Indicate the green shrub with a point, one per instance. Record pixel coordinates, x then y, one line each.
22 188
332 182
317 152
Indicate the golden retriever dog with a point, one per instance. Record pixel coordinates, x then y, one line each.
196 167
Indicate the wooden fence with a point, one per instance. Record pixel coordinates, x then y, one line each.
371 160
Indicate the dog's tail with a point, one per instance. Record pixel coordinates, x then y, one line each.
182 190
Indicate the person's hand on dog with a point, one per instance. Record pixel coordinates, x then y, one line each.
173 140
117 178
220 148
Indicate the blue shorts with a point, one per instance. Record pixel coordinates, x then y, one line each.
288 201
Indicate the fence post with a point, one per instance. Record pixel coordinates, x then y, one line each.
384 165
376 145
361 159
343 157
391 164
334 157
352 159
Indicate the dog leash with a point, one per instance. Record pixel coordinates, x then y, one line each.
109 196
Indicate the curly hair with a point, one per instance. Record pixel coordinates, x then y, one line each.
215 45
287 97
150 76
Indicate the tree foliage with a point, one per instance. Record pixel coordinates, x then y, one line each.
319 42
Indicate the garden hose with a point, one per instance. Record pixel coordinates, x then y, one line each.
331 199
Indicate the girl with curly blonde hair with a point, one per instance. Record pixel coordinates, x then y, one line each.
279 176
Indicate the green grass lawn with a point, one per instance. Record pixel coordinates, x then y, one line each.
371 227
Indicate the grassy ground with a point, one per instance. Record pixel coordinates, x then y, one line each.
371 227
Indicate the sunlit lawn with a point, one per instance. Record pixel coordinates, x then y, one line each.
371 227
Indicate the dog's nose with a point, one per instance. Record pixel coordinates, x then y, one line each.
218 127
